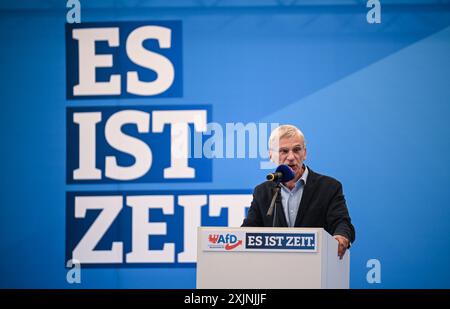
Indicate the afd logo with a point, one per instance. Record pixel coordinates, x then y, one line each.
124 59
228 241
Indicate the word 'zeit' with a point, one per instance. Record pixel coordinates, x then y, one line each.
182 215
87 123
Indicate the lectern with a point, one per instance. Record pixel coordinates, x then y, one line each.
269 258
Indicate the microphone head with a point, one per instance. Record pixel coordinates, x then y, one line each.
288 173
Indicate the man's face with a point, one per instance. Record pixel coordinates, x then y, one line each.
291 152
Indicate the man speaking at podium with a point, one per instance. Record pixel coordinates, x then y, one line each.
308 200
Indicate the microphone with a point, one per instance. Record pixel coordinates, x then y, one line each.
283 173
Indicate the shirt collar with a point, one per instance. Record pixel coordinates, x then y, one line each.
305 175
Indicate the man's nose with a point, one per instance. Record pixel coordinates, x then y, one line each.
290 156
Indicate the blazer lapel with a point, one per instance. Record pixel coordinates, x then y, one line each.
308 191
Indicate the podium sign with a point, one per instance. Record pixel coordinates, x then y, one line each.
269 258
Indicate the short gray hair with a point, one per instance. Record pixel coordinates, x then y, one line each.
283 131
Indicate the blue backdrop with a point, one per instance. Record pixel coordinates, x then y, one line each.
371 99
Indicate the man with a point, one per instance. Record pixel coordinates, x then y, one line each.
308 200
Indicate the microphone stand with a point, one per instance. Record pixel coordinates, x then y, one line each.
273 203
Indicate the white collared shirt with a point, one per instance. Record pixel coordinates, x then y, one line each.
291 199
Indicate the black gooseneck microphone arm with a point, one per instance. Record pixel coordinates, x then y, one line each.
275 198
